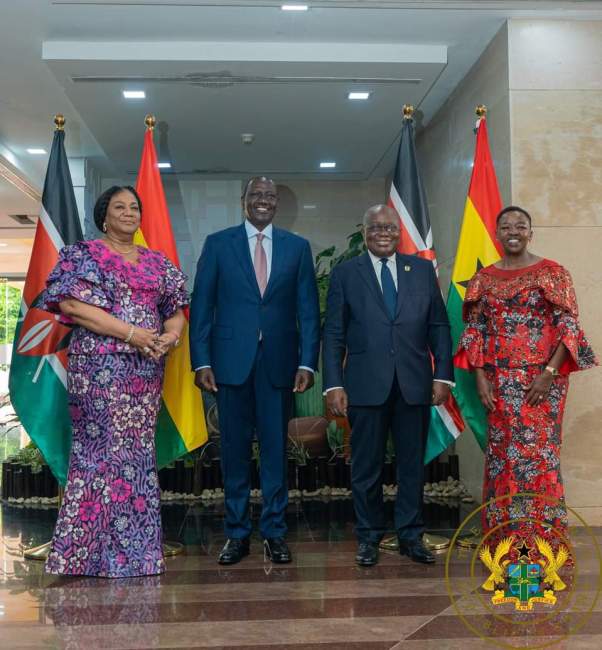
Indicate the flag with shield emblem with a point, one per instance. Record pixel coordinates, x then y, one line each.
38 373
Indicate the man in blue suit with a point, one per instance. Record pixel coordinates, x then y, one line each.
386 317
254 340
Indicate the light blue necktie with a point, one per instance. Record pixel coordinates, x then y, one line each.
389 290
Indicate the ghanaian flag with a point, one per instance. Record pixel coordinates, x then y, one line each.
477 247
181 423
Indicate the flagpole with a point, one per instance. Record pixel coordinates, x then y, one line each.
170 548
431 541
40 553
475 536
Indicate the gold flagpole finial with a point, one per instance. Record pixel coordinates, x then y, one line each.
150 122
59 122
408 112
481 111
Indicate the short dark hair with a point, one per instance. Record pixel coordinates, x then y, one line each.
252 180
102 202
513 208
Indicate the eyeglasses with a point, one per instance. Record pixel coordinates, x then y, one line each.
389 228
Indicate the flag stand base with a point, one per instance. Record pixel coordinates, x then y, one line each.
472 540
432 542
171 549
38 553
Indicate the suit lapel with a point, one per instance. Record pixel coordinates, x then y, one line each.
240 243
277 260
366 271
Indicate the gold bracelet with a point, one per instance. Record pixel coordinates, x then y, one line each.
128 338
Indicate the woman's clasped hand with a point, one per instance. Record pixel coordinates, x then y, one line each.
152 344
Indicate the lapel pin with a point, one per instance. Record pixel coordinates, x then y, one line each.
407 268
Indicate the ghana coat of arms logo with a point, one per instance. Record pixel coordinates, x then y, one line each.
526 581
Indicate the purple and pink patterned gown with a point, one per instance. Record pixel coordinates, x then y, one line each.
109 522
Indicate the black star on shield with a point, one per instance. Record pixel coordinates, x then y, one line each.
523 551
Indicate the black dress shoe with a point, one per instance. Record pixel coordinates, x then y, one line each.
234 550
367 554
416 551
276 550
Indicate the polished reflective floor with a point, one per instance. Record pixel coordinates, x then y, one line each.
321 601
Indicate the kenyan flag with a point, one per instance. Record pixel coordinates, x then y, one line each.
407 197
38 373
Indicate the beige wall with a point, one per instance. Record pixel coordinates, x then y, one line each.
445 151
326 212
542 83
556 116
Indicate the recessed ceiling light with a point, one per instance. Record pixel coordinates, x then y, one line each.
328 165
134 94
3 244
358 95
310 206
294 7
164 165
36 151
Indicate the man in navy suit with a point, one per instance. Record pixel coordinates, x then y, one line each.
254 340
385 321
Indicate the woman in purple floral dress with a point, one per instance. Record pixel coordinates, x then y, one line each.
125 303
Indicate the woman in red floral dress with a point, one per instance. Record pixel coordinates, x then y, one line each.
522 340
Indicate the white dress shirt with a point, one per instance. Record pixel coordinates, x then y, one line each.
392 266
252 233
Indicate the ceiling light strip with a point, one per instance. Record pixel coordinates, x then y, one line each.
14 179
231 80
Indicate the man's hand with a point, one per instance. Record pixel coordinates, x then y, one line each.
440 393
303 380
337 402
205 380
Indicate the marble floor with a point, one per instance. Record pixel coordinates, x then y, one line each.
322 601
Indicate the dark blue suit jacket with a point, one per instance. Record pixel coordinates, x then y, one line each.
228 313
377 347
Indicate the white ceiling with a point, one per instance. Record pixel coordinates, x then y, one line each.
76 57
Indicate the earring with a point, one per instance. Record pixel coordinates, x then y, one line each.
104 227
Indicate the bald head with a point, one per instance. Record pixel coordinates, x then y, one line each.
379 207
381 230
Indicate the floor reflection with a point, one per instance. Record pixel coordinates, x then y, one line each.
321 601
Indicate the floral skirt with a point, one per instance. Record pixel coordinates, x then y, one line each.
109 523
523 456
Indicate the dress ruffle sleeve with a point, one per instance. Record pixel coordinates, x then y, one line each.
560 293
175 295
76 275
470 352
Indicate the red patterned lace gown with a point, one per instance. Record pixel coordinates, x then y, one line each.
515 321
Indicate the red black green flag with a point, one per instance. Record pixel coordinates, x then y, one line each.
38 372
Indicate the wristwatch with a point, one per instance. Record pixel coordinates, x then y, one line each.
554 371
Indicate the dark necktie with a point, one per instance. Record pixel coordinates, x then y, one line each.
389 290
